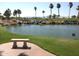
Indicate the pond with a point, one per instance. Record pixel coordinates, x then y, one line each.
60 31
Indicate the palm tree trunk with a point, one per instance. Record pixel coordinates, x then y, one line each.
51 13
69 12
35 13
19 16
16 17
58 13
43 15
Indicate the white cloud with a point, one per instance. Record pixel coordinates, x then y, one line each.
27 13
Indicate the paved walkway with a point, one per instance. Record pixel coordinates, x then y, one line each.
6 50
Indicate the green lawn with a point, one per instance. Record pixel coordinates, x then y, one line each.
57 46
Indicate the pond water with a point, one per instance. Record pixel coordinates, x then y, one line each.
62 31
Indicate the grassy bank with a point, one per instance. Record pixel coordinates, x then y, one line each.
57 46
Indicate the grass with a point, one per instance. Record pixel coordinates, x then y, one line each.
58 46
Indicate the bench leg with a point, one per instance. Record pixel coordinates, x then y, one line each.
25 45
14 45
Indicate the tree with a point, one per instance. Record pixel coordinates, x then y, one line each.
7 13
18 12
78 11
35 8
51 7
43 13
15 13
58 6
49 16
70 6
54 16
73 16
0 14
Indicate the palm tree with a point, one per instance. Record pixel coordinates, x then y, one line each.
18 12
15 13
58 6
0 14
70 6
54 16
78 11
43 13
51 7
35 8
73 16
7 13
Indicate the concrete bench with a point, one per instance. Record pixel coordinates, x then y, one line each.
20 40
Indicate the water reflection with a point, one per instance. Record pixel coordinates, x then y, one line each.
64 31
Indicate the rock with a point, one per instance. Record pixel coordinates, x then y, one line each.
73 34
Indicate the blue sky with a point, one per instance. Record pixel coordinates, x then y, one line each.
28 8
